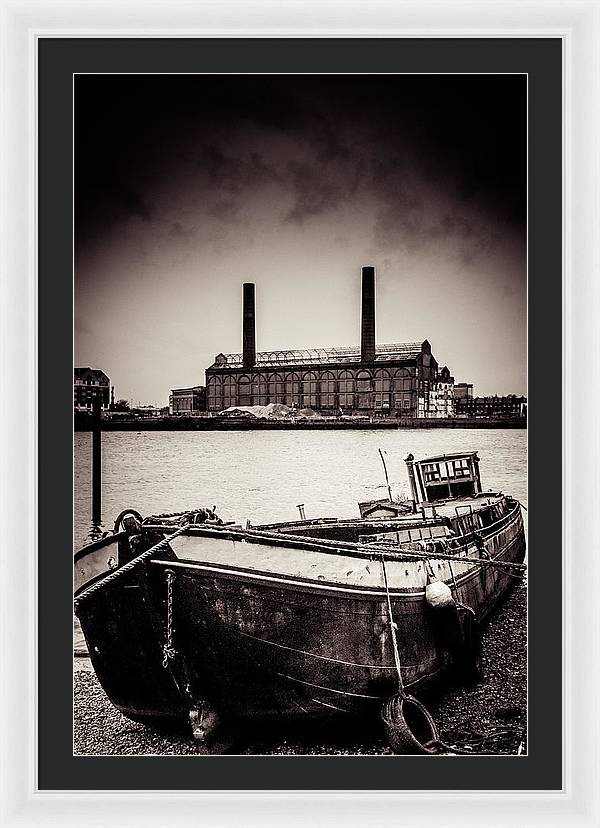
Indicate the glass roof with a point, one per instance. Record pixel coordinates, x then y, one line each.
383 353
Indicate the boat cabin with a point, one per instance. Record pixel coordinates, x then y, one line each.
443 477
383 509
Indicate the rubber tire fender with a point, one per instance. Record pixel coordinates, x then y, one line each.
408 725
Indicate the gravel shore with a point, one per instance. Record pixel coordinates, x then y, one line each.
488 718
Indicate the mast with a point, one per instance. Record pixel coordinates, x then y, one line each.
387 480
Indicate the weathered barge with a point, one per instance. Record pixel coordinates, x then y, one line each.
184 615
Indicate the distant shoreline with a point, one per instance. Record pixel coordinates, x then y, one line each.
83 422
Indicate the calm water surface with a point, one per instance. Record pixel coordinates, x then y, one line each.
262 476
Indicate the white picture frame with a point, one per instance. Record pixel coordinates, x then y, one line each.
578 24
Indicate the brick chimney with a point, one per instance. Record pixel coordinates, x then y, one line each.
249 327
367 332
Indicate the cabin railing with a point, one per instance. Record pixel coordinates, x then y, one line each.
487 531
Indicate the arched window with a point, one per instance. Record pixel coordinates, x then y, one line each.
327 390
229 392
261 390
309 390
346 389
364 390
403 381
383 386
292 390
363 382
405 392
276 388
215 394
244 390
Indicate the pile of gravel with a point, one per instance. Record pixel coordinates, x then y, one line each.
488 718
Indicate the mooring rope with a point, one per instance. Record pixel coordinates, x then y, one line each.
394 705
393 631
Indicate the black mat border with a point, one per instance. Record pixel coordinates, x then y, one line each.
58 60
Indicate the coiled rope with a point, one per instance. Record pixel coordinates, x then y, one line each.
190 516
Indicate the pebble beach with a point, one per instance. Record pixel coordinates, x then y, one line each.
487 718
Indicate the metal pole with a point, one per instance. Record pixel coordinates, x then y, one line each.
410 465
96 463
386 475
477 473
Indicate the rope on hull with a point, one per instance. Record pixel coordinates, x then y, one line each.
123 570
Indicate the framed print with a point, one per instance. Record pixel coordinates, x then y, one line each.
298 643
325 288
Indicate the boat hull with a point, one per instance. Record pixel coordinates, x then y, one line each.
261 645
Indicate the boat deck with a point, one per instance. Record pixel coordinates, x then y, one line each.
251 557
448 508
308 564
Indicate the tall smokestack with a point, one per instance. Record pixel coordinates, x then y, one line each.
367 331
249 327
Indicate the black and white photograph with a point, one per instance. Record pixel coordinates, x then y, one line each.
300 391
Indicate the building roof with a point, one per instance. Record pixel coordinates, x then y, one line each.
189 390
454 455
322 356
90 374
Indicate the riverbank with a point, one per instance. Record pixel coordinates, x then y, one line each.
83 422
490 717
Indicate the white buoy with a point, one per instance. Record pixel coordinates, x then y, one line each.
438 595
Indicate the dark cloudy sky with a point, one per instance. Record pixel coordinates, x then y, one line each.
188 185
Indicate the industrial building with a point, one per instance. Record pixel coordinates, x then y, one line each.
394 379
188 401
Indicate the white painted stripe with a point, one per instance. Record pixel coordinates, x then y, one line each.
310 586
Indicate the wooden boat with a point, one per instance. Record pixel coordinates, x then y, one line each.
184 615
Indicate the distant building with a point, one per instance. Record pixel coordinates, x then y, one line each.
441 397
149 411
90 384
187 400
395 379
463 390
503 407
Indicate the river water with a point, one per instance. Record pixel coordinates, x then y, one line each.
262 476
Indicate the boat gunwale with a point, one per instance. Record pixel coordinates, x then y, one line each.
300 584
359 550
94 546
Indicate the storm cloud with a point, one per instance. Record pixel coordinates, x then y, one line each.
229 174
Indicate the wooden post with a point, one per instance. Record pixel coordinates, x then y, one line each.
96 462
